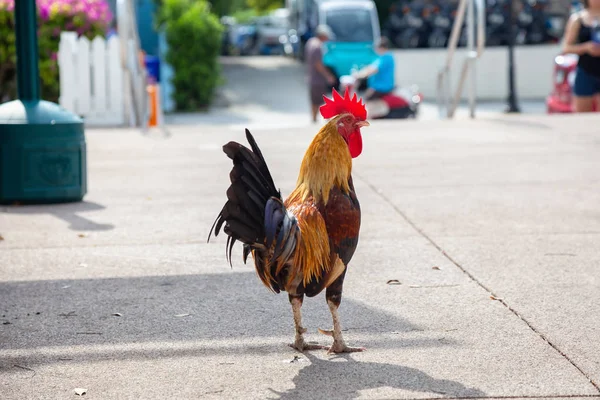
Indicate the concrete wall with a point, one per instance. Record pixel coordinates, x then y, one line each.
533 69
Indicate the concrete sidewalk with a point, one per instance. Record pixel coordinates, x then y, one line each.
491 227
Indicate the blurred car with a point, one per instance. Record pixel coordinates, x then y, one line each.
228 38
561 98
245 39
272 32
355 29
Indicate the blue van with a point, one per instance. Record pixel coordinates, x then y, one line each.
355 26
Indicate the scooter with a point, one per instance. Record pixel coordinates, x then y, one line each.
496 27
537 30
560 99
418 27
396 22
401 103
524 20
442 26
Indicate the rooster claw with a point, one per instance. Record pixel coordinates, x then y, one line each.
302 346
337 348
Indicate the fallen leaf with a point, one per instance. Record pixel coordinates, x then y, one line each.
182 315
1 238
414 286
148 198
495 298
394 282
117 314
83 235
215 391
80 391
436 268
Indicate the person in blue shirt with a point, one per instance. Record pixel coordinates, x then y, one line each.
379 74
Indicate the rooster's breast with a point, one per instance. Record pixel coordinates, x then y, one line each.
342 219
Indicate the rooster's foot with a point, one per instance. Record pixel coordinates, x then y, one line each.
340 347
302 346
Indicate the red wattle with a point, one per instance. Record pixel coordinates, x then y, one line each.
355 144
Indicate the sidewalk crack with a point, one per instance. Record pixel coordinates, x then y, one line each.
380 193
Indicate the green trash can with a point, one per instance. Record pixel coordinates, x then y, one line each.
42 154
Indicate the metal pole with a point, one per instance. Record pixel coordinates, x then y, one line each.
28 76
513 107
471 55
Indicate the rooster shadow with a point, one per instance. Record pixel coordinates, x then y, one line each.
346 379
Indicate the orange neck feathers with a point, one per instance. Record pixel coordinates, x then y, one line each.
327 163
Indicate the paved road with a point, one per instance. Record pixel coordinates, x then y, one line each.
270 92
491 227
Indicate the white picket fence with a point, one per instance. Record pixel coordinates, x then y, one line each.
91 78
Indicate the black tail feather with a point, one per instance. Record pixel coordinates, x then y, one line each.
248 197
258 153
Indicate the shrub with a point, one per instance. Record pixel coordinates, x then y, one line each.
86 17
193 35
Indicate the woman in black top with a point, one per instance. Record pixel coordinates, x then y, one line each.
582 37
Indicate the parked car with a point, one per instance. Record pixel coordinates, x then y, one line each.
560 99
245 39
272 32
228 38
355 28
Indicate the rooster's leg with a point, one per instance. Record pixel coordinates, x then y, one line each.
299 344
334 298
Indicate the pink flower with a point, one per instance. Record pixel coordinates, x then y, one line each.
44 13
8 5
95 13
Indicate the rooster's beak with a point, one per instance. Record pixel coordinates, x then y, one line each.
361 124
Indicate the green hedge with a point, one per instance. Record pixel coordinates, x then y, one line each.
193 35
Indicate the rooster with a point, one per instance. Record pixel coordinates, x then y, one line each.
301 245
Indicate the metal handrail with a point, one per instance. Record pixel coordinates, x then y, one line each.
443 78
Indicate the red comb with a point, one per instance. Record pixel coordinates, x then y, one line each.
340 105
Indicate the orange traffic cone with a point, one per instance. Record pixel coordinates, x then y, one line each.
152 90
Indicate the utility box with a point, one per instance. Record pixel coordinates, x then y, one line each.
42 154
